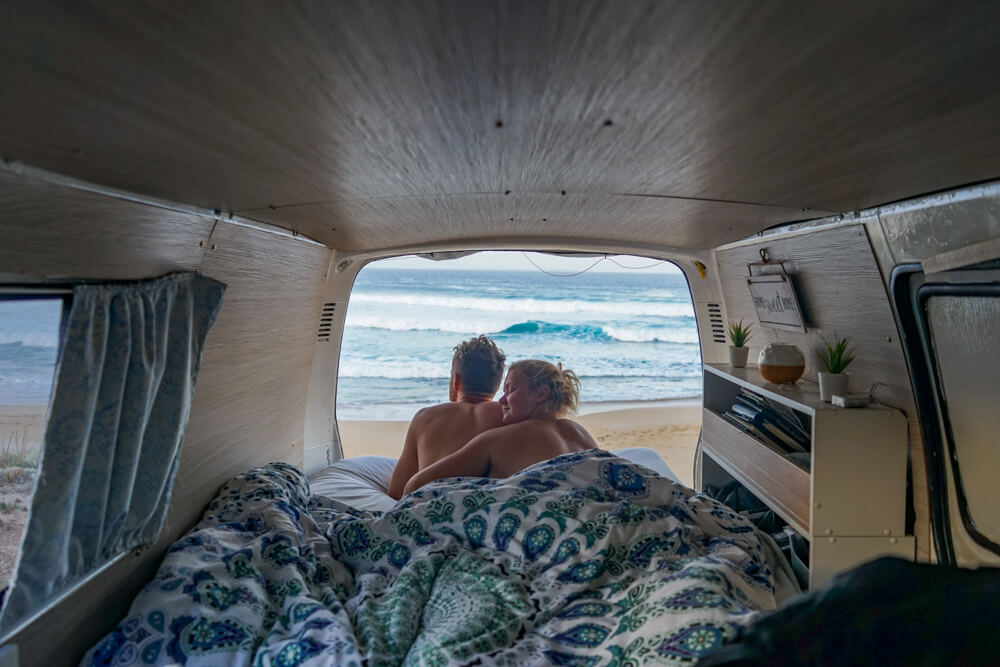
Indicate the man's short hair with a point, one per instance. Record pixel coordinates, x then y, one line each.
480 363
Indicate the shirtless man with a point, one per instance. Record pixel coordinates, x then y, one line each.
440 430
537 395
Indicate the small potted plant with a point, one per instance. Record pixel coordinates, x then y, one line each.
836 357
738 336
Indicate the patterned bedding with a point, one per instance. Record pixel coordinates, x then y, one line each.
585 559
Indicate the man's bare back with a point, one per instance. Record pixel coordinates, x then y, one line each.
439 431
444 429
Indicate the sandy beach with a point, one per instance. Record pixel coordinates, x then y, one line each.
22 428
669 427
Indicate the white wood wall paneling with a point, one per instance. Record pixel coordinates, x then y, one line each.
50 231
841 291
251 394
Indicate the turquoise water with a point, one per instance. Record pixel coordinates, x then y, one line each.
629 336
29 335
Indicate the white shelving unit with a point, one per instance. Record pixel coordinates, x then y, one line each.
850 505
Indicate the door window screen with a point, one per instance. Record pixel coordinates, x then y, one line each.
965 345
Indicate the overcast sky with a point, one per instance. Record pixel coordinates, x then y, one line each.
522 261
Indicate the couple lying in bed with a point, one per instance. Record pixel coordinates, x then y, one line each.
473 436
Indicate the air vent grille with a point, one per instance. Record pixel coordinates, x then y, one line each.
715 322
326 322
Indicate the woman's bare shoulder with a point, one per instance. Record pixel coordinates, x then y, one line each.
573 430
524 432
569 424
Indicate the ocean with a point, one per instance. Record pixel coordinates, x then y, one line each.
29 337
628 336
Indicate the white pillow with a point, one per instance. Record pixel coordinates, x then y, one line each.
648 457
361 482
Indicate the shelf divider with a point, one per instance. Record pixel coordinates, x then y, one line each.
776 480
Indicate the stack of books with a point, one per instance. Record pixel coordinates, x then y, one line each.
769 422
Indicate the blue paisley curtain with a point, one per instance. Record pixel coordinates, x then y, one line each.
126 376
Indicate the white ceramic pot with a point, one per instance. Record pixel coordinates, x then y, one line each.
738 356
781 362
832 384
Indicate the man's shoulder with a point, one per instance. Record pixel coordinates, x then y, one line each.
432 411
453 408
463 407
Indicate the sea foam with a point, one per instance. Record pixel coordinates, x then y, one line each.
531 305
500 330
32 339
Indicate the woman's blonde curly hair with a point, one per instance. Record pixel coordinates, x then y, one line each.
563 384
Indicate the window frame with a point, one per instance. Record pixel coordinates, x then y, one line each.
911 289
444 255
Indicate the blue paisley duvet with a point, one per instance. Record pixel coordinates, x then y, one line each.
585 559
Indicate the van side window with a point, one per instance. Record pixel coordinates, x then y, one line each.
29 344
963 335
948 322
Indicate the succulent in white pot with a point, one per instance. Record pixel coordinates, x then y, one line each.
739 334
836 357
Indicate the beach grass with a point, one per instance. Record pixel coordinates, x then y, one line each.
8 507
22 430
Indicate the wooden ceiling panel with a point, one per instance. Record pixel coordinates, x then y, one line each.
405 221
241 107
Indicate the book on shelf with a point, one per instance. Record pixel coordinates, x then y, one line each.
790 443
757 416
774 414
758 433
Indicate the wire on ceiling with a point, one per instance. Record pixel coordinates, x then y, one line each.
596 262
634 268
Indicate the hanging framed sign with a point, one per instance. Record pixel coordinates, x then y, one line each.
774 298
